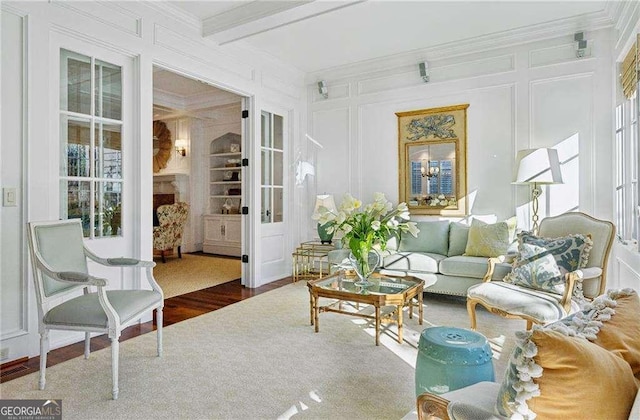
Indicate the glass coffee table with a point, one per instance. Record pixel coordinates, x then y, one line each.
388 295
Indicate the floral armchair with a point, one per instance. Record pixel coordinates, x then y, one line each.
168 235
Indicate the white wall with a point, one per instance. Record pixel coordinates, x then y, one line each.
535 94
148 34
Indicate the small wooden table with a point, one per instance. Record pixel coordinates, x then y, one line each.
386 292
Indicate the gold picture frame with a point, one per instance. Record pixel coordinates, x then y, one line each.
432 160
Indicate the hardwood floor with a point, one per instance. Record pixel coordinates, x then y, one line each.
176 309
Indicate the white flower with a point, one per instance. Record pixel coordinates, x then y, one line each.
402 207
347 228
375 225
412 228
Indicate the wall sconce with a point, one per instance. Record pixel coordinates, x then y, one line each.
322 89
181 146
424 71
432 172
581 47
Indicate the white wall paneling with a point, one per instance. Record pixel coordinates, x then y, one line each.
531 94
14 316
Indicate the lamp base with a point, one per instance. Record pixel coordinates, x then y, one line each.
325 237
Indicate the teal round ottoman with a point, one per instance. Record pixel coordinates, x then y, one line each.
452 358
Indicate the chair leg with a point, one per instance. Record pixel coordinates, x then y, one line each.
87 344
162 254
471 309
179 252
159 329
44 349
115 352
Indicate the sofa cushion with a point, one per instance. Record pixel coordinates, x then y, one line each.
475 267
433 237
553 375
487 240
458 235
536 268
413 261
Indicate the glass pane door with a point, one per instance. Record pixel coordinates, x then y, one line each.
272 140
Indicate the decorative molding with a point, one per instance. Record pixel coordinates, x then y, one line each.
103 12
627 20
339 91
538 32
168 9
408 76
197 51
557 54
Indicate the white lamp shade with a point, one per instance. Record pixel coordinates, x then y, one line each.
324 200
181 143
539 166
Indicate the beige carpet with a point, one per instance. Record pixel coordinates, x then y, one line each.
256 359
193 272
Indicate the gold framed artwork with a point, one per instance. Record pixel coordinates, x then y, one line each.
432 160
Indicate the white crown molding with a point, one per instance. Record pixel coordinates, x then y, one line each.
168 9
553 29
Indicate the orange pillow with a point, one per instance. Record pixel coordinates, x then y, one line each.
580 379
621 334
552 375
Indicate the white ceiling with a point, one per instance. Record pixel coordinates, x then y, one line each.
318 35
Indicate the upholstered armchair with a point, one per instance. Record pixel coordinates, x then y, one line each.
543 301
168 235
60 271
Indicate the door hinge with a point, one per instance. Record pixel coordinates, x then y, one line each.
245 162
245 113
245 258
245 210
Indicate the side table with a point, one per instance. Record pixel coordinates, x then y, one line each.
310 260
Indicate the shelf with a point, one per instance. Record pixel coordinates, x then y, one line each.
225 182
226 154
228 168
225 196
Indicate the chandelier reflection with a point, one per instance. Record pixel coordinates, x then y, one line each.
432 172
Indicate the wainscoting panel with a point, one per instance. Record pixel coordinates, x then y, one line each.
332 129
557 54
338 91
108 13
561 117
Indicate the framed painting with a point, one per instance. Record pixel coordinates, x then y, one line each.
432 160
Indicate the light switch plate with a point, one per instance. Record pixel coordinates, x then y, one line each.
9 197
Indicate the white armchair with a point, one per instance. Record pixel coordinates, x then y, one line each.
59 261
540 306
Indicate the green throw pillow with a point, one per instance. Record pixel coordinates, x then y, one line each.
433 238
458 235
487 240
571 252
536 268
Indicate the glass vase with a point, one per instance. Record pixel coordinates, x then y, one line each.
364 267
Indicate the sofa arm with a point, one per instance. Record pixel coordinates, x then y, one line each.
431 405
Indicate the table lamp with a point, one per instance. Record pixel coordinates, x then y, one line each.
537 167
324 200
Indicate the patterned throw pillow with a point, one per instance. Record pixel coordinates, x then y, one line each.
536 268
487 240
571 252
549 362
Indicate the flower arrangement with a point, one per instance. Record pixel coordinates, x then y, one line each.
372 225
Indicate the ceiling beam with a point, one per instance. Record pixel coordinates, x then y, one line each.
257 17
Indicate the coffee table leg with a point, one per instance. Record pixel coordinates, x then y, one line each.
377 325
311 306
315 313
400 322
420 308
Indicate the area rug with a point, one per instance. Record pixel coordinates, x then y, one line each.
192 272
258 359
